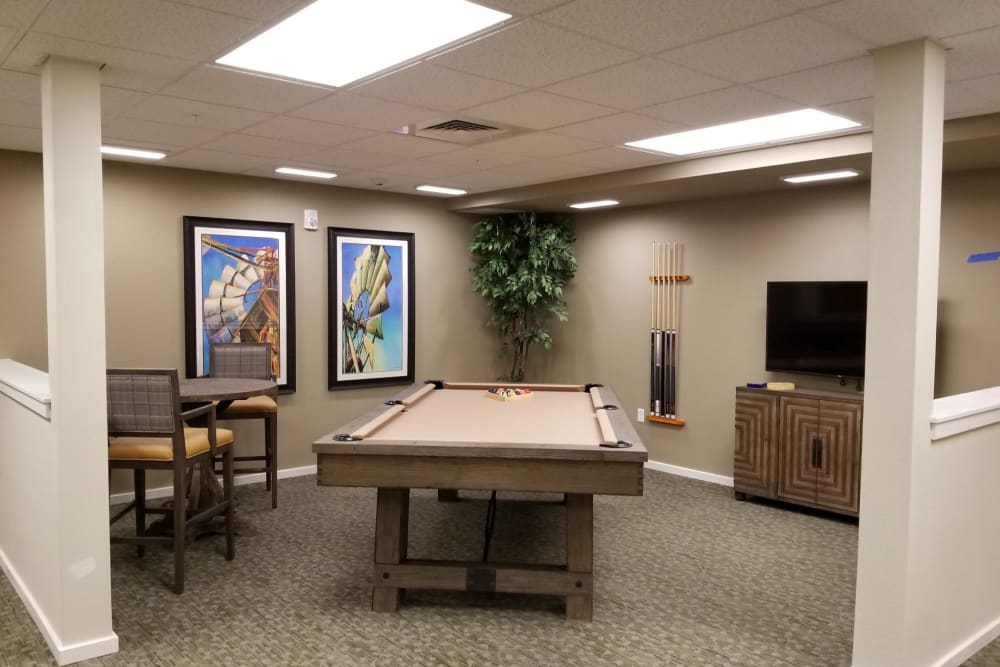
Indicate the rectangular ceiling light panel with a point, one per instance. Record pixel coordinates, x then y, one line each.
744 133
335 42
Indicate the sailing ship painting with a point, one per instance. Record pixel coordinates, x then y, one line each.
240 292
371 298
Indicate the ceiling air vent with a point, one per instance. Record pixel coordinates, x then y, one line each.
464 131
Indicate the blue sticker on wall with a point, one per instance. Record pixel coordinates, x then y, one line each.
983 257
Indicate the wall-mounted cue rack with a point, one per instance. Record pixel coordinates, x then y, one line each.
664 308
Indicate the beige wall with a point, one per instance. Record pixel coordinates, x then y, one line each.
732 245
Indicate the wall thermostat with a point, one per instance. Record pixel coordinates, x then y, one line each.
311 219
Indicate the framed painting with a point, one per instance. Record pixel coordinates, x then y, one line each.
370 308
239 286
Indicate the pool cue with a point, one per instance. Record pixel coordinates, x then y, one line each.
657 335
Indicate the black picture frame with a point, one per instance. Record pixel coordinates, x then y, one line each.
239 285
370 307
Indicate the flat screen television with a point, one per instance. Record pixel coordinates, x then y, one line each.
816 327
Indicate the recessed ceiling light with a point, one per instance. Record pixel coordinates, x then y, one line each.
440 190
755 131
133 152
292 171
335 42
822 176
594 204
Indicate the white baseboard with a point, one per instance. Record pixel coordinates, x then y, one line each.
971 645
690 472
238 480
64 655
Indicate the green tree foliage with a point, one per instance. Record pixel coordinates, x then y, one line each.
522 261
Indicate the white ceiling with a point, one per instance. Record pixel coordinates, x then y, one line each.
574 78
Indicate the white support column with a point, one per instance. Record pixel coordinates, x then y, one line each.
74 257
902 315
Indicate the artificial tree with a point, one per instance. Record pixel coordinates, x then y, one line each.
521 263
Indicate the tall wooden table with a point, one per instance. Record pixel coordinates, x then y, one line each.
204 489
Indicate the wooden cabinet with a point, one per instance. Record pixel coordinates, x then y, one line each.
799 446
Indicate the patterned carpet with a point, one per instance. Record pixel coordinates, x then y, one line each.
684 576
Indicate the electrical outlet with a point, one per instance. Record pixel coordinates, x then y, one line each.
640 415
310 219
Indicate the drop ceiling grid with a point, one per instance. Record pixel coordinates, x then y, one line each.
638 83
539 110
147 26
428 85
771 49
124 68
653 26
243 90
892 21
533 54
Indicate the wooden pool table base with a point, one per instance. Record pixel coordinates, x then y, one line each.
393 572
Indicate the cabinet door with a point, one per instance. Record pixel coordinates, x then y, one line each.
755 461
799 418
838 474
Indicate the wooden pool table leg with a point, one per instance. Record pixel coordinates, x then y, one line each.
580 551
391 519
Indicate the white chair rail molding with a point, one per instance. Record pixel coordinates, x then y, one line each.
26 385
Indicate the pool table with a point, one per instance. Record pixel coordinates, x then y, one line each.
570 439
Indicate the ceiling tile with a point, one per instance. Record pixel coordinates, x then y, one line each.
148 26
213 161
340 158
20 87
520 7
122 68
973 55
650 26
614 158
400 145
6 35
720 106
768 50
247 91
541 144
434 87
260 10
987 86
533 54
363 112
424 169
20 139
287 128
378 180
860 111
960 100
638 83
20 114
618 129
195 114
141 132
20 13
259 146
892 21
471 159
115 101
839 82
539 110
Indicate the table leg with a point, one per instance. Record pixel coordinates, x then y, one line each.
580 551
391 523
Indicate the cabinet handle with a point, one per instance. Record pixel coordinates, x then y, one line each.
817 453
